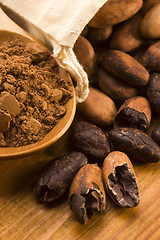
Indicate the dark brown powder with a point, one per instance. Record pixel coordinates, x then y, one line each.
31 75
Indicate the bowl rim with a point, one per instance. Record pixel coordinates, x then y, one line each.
9 153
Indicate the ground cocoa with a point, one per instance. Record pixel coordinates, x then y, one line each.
31 75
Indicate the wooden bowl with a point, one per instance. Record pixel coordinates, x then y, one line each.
10 31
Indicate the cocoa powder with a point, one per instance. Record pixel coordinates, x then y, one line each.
31 75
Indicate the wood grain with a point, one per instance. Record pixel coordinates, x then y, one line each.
22 217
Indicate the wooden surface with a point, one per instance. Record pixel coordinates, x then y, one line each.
22 217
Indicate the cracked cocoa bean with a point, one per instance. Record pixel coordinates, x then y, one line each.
135 112
135 143
153 92
87 195
90 140
119 179
56 176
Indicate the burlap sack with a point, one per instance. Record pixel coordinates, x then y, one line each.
61 21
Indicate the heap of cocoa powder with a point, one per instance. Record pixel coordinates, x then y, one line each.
32 93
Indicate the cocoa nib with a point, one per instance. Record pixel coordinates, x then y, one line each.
56 176
87 194
135 143
85 206
129 117
122 186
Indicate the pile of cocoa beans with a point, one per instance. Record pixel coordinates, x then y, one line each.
120 51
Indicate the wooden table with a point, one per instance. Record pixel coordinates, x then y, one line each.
22 217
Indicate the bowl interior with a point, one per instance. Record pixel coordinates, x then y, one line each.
58 130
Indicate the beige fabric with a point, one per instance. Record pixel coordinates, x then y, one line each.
61 21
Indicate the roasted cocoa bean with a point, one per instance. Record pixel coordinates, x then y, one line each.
56 176
114 12
153 92
119 179
151 58
90 140
118 90
135 112
156 134
150 24
86 56
147 5
126 36
87 194
98 108
99 36
135 143
125 67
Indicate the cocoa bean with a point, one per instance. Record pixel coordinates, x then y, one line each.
135 112
114 12
125 67
118 90
87 194
135 143
90 140
119 179
56 176
98 108
153 92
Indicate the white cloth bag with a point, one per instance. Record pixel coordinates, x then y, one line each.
61 21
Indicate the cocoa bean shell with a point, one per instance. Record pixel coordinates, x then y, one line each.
87 195
135 143
125 67
119 179
56 176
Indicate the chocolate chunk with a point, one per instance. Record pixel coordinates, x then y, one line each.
135 143
31 126
22 96
56 176
5 119
9 102
56 95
